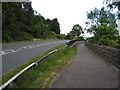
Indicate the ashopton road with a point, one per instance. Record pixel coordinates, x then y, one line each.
14 55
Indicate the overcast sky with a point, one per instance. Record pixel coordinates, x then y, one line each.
68 12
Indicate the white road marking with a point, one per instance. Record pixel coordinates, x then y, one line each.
8 51
1 53
12 50
25 47
30 46
37 45
33 46
18 50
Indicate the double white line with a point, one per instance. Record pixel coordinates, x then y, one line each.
6 52
25 47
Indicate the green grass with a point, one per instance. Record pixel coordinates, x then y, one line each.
43 75
9 75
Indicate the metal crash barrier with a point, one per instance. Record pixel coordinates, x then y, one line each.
9 82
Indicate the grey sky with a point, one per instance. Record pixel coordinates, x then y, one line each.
68 12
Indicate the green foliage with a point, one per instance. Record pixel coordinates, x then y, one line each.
80 37
98 17
77 30
108 42
54 25
103 25
75 33
61 36
112 5
69 36
20 23
24 36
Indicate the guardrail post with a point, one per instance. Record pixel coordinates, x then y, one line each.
36 64
73 44
10 84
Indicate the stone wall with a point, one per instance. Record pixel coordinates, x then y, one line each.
110 54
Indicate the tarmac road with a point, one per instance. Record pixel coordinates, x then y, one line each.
14 55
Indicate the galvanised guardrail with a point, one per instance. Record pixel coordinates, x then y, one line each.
73 44
9 82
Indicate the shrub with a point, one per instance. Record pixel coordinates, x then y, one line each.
105 42
108 42
24 36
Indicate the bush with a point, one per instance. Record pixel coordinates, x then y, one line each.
61 36
24 36
108 42
105 42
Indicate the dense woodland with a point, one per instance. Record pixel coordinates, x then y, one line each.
20 22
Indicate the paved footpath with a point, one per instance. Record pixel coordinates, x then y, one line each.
87 71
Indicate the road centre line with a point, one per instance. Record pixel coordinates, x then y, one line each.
22 48
30 46
7 51
37 45
33 46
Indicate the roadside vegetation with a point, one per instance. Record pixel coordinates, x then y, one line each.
102 24
21 23
75 33
43 75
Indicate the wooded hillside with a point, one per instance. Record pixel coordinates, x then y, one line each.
20 22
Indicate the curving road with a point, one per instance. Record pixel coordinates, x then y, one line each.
14 55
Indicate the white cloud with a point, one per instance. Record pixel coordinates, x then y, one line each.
68 12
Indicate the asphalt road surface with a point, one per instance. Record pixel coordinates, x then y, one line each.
87 70
14 55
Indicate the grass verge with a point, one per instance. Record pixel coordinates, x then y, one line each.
9 75
42 75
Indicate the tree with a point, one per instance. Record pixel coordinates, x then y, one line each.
54 25
69 36
112 5
97 18
20 23
61 36
75 33
102 16
77 30
103 25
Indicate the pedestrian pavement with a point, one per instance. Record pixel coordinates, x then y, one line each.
87 70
